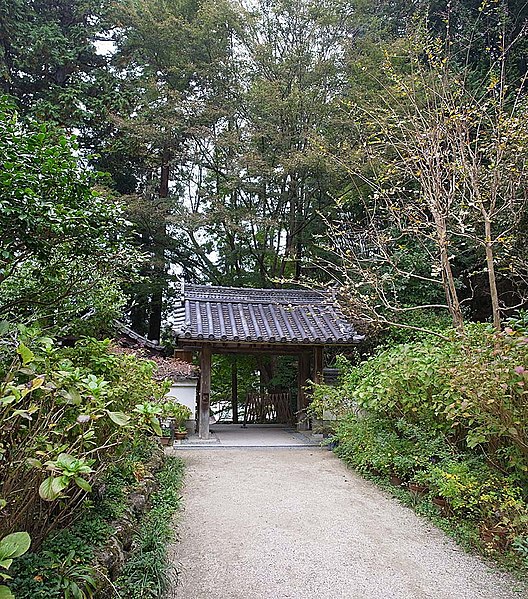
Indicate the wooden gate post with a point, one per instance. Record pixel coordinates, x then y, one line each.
205 392
234 390
318 365
303 374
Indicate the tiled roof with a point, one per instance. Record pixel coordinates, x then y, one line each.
129 338
261 316
130 342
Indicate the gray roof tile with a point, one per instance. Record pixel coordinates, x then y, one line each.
261 316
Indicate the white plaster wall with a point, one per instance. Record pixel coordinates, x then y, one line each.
184 392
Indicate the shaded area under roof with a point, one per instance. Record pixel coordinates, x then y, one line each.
285 316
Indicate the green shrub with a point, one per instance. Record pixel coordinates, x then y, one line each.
146 575
66 556
471 391
65 416
520 546
384 445
488 382
176 411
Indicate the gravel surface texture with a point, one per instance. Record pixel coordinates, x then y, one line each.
296 523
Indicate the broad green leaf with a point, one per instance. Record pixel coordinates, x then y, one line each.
5 593
155 425
65 460
46 490
6 563
82 484
84 469
25 353
118 418
14 545
72 395
34 463
59 483
75 590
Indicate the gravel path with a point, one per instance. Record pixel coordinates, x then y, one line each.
296 523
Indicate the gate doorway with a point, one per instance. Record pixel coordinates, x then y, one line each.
229 320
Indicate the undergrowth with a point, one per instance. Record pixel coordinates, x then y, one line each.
63 567
147 572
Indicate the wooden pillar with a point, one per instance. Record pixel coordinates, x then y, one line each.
205 392
234 390
303 374
317 376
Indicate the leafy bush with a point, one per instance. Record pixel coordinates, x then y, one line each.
452 415
11 547
520 546
478 492
487 379
177 411
65 416
66 557
472 391
383 445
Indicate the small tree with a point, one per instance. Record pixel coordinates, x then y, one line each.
443 157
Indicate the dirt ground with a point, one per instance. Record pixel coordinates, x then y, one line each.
277 523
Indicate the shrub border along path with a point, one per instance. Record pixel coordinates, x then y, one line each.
80 560
147 572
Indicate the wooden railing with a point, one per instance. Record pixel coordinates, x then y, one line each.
268 408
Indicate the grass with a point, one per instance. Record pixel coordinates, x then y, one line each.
147 572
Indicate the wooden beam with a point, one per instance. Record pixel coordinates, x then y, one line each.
234 390
303 374
317 376
275 349
205 392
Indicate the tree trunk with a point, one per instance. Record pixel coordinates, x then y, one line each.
495 308
450 290
159 266
156 306
447 273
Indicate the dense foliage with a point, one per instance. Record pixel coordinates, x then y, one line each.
376 146
63 248
447 414
65 564
66 414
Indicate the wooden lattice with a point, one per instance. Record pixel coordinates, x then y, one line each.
268 408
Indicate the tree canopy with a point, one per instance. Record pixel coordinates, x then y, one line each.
271 143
